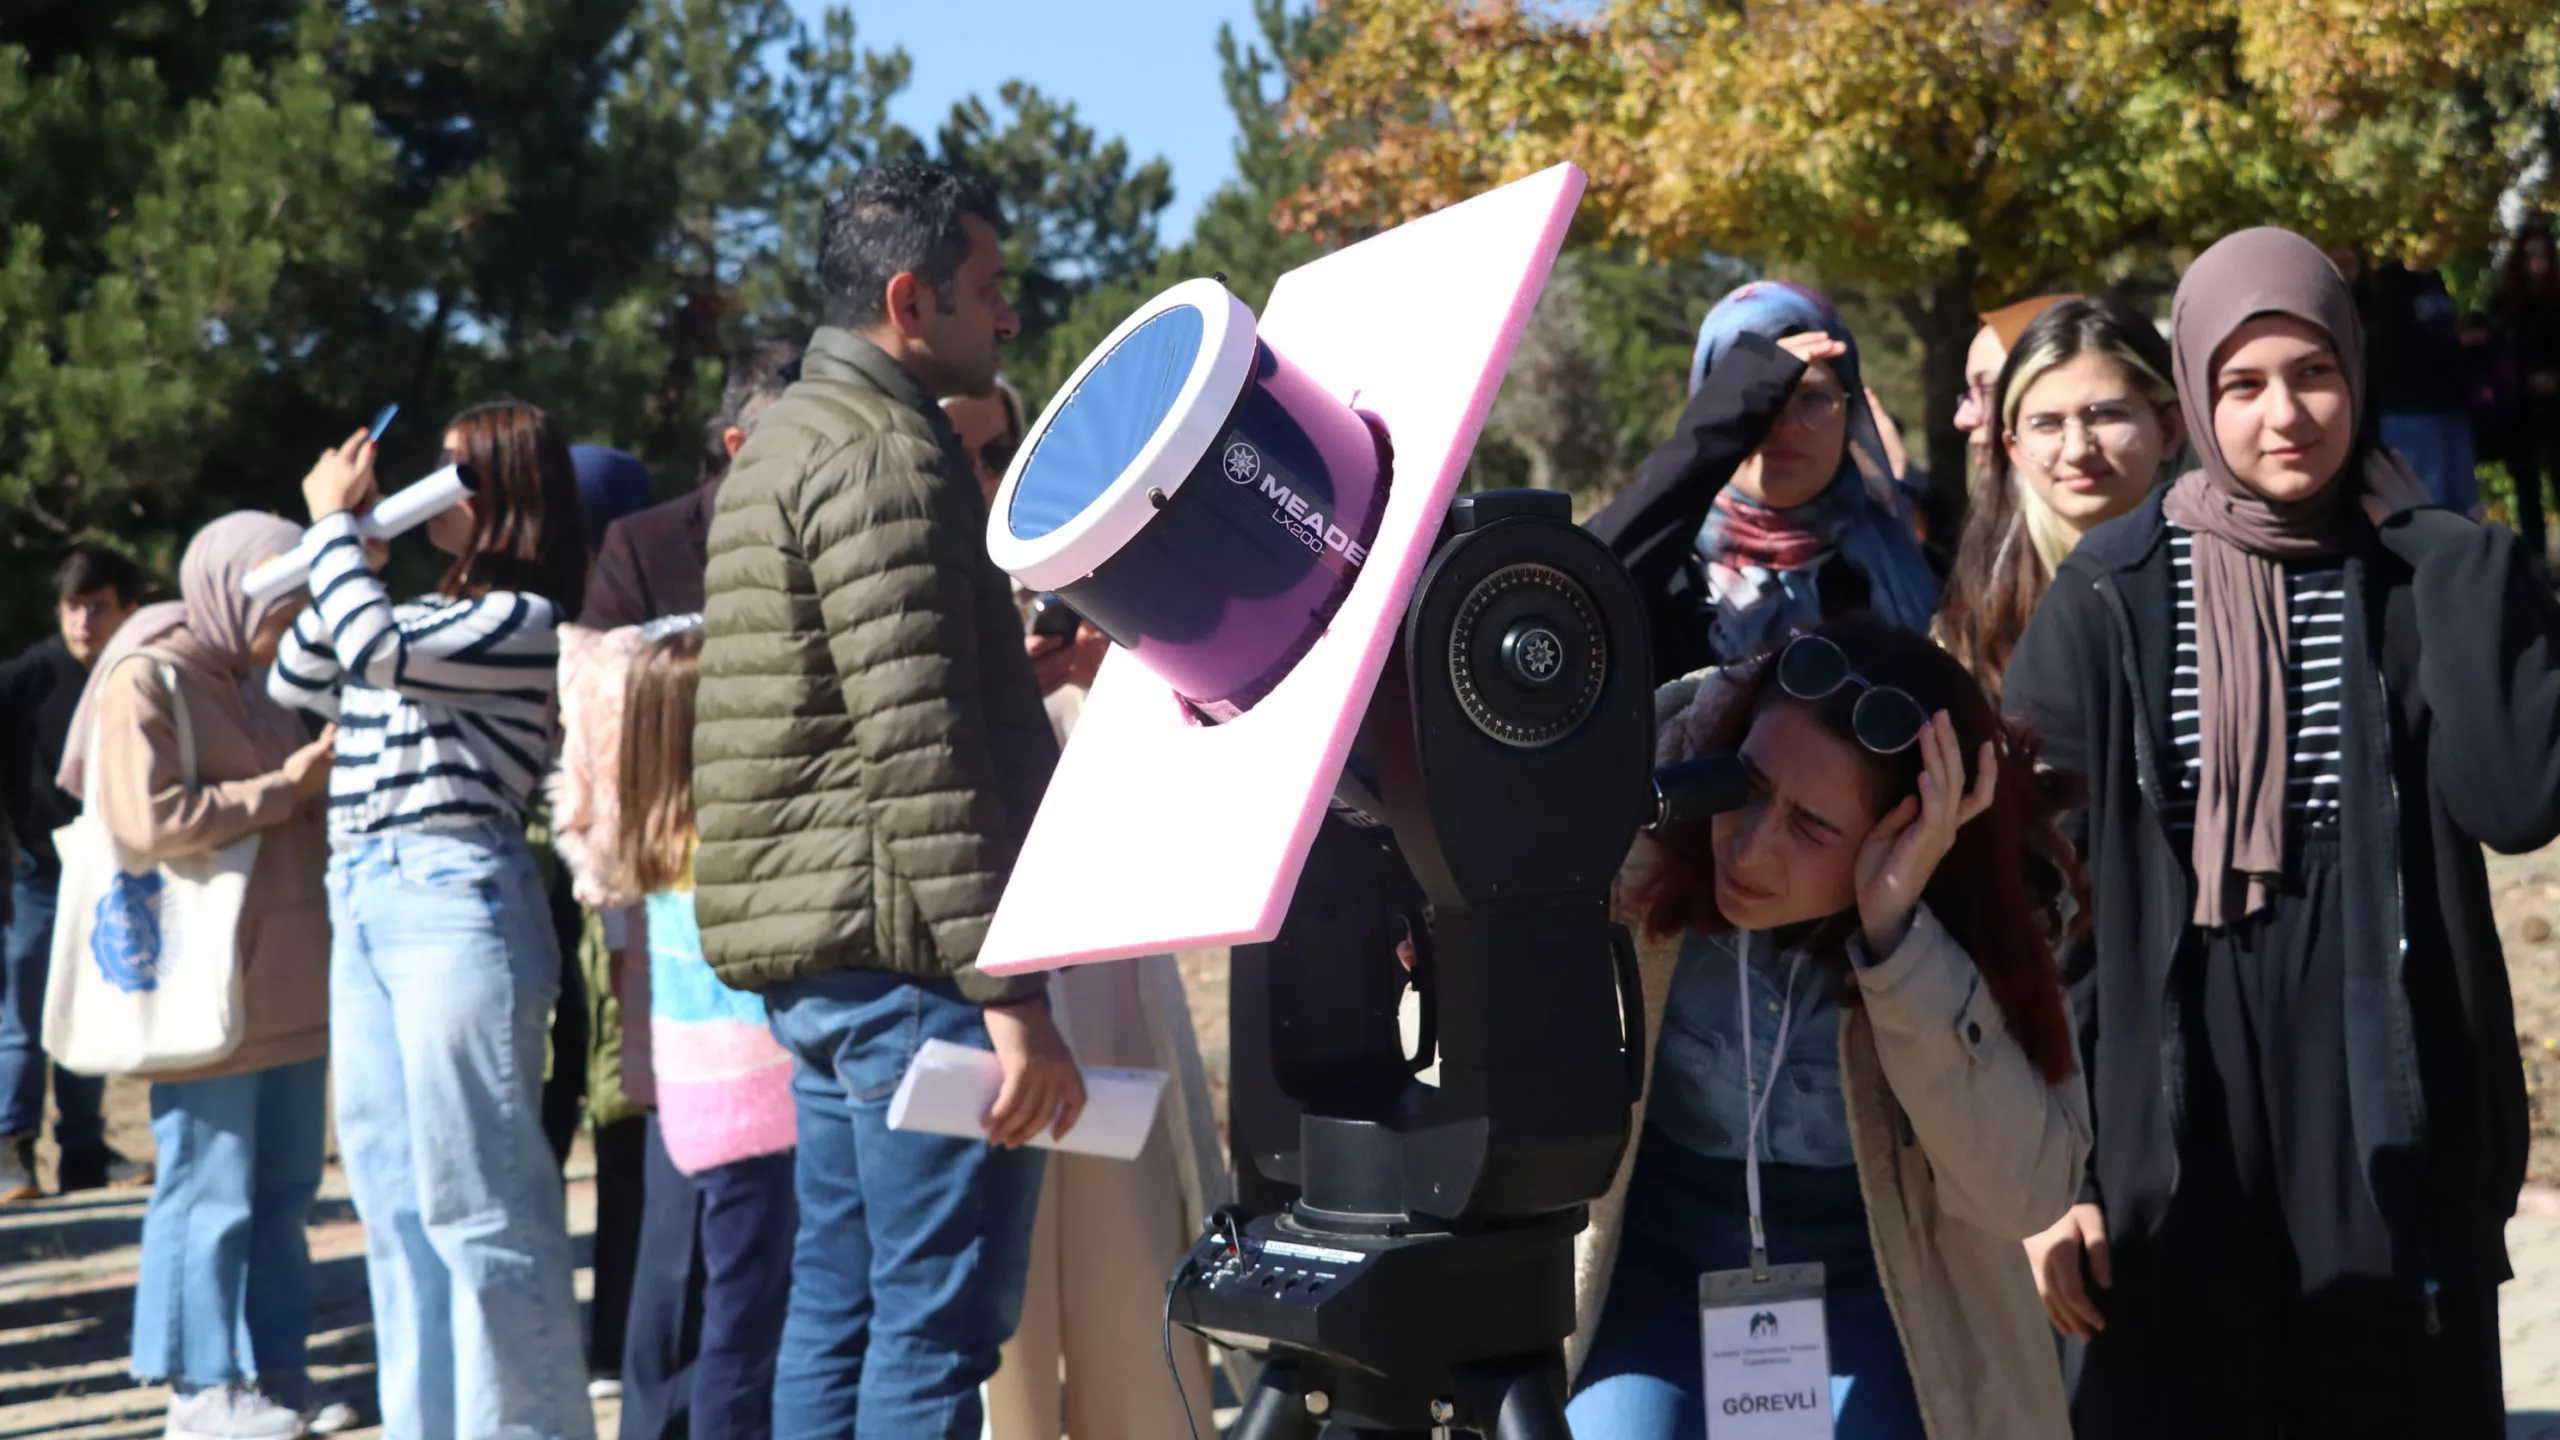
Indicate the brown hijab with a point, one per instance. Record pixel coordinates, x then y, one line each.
2240 542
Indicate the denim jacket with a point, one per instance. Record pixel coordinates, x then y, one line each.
1701 1096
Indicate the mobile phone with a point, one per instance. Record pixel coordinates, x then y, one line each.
1052 618
381 422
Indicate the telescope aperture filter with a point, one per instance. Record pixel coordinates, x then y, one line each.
1159 832
1203 501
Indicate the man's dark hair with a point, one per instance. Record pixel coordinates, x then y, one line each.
897 216
91 566
757 376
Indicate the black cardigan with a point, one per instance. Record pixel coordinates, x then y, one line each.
1652 525
2471 757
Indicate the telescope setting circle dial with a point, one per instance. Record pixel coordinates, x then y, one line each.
1527 655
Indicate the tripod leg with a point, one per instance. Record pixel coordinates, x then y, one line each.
1275 1409
1517 1400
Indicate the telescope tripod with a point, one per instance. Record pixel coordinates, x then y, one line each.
1408 1267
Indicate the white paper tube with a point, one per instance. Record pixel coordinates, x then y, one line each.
395 515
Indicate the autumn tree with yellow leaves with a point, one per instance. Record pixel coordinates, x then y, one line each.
1949 155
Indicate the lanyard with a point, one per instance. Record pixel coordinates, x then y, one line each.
1757 1095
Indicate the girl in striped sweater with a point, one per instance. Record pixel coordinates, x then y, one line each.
444 966
724 1084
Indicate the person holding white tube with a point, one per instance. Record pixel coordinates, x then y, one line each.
444 964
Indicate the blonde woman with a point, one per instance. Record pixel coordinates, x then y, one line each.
2087 422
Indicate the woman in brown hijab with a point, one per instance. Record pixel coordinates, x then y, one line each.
2302 704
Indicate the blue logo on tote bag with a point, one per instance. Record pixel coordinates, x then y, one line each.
125 941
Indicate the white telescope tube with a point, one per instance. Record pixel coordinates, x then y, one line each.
394 515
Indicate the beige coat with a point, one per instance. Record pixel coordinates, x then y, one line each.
135 782
1963 1151
1094 1299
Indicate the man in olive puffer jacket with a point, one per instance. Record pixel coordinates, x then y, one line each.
868 751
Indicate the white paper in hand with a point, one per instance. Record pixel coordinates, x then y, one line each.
950 1088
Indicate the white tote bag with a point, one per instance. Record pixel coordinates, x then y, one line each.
146 961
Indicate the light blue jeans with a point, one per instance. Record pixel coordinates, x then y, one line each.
225 1289
442 975
914 1249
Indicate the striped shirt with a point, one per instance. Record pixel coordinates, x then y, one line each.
444 708
2316 632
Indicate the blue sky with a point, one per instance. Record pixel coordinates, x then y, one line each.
1144 70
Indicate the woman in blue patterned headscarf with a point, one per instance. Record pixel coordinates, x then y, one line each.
1770 507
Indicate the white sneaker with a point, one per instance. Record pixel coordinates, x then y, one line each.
235 1411
605 1387
331 1418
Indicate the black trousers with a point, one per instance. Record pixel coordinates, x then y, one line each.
750 1219
621 1178
2215 1351
664 1333
2533 459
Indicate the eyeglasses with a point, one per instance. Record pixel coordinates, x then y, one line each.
996 456
1814 407
1885 720
2109 424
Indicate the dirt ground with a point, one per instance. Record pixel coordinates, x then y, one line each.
2526 889
67 1264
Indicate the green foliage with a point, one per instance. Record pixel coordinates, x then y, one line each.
1084 221
1948 155
158 260
229 231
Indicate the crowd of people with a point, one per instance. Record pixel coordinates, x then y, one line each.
2099 983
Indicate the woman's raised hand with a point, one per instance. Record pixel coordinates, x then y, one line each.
1812 346
341 479
1903 851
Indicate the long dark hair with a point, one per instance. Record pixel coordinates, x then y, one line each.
2004 562
2001 891
526 535
2514 285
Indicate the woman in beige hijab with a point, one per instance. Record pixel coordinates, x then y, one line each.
224 1300
2302 704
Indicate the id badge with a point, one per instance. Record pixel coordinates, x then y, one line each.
1768 1354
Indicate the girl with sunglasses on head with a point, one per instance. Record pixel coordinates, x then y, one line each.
1862 1049
1771 506
2303 704
444 964
2085 421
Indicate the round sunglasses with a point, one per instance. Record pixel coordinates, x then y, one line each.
1885 720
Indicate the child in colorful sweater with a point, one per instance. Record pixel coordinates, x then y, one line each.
723 1084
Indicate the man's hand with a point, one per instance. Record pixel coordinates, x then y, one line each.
2054 1256
1057 662
1041 1082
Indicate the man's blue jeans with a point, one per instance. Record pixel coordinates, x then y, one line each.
442 971
29 957
225 1289
914 1249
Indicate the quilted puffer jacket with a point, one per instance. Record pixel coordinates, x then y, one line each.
869 743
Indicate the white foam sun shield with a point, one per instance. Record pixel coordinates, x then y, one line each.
396 515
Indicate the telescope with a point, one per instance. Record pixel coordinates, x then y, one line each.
1347 705
394 515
